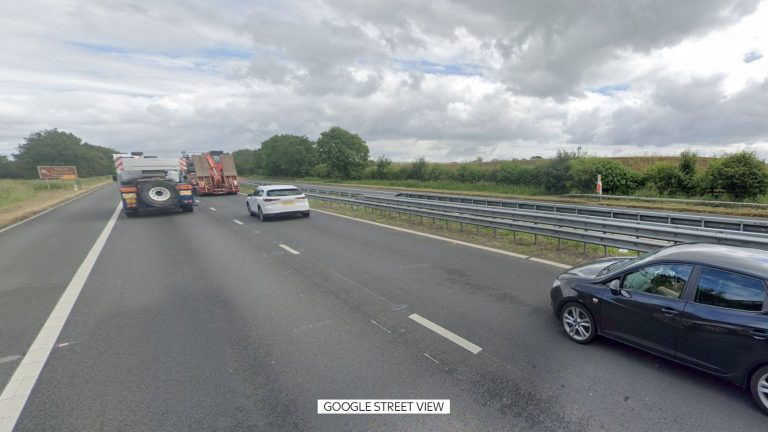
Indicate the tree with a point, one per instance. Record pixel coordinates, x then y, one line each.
666 178
249 162
288 155
687 168
344 153
382 170
54 147
617 179
8 168
740 175
555 175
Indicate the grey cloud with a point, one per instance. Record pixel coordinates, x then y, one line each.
692 112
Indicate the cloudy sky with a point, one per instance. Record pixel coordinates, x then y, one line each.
446 80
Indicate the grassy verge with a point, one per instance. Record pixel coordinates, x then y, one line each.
564 251
529 194
20 199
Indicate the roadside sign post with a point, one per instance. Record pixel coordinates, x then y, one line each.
600 187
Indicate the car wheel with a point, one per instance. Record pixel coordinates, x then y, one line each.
758 385
305 214
261 214
248 206
578 323
187 209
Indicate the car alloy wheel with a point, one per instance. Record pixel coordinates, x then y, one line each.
261 214
759 387
578 323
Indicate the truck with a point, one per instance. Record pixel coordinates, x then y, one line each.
148 183
212 173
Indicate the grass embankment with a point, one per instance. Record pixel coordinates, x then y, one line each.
20 199
565 251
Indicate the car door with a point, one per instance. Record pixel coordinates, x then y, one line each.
644 310
724 326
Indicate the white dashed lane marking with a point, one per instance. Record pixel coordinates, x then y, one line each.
288 249
451 336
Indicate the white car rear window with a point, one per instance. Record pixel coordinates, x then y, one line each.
283 192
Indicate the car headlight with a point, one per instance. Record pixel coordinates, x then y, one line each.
556 283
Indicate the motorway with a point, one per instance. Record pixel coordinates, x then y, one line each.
213 320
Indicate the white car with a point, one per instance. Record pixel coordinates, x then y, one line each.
274 200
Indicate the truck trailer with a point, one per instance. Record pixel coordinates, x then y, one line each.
212 173
151 183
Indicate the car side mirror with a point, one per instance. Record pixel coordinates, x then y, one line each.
616 289
615 286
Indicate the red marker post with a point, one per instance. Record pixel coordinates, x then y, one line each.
600 187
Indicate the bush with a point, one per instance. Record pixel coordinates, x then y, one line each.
468 173
321 171
740 175
555 175
514 174
617 179
418 169
667 179
438 173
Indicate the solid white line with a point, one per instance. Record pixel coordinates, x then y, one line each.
18 389
430 357
552 263
237 221
212 208
451 336
51 209
472 245
288 249
381 327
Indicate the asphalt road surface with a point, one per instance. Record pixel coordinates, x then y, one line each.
213 320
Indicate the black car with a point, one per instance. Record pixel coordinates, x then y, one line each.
702 305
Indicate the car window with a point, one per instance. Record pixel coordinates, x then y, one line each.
259 192
730 290
666 280
283 192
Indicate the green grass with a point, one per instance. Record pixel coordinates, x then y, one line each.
13 191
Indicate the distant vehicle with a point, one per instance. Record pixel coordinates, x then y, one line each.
274 200
702 305
151 183
212 173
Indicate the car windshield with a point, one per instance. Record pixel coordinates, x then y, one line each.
283 192
622 263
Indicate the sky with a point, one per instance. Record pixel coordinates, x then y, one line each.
447 80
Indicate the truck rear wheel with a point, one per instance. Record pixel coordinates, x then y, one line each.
158 193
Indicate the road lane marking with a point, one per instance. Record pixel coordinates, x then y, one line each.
237 221
212 208
472 245
430 357
10 358
19 387
288 249
552 263
451 336
380 326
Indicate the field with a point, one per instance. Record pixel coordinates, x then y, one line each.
22 198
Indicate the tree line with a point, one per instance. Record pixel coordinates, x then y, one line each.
342 155
55 147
